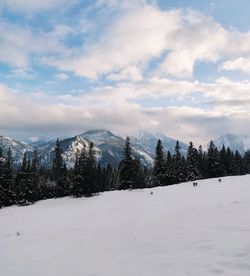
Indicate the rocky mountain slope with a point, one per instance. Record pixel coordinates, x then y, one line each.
109 147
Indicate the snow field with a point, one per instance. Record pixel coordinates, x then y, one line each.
179 230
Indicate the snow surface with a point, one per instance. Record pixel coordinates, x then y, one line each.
179 230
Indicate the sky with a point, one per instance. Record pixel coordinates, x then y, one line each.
180 67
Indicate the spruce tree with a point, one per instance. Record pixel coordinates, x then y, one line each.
126 168
247 162
229 162
26 183
77 184
2 161
159 166
212 161
192 163
168 174
7 192
35 176
59 171
91 171
178 170
222 162
139 176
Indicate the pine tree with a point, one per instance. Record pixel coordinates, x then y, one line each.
247 161
59 172
91 171
139 176
26 183
222 162
178 170
109 176
159 166
2 160
192 163
84 183
100 178
7 192
238 164
229 162
77 184
168 174
58 161
212 161
126 168
35 176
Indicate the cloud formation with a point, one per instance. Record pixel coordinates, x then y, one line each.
241 64
19 44
178 38
118 108
120 65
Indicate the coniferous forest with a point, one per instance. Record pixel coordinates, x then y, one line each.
30 181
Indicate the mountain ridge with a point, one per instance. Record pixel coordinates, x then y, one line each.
109 146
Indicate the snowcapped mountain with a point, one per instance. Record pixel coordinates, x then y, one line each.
149 141
111 147
71 147
18 148
102 136
74 149
108 148
234 142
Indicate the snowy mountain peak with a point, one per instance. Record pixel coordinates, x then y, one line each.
231 141
75 148
18 148
101 136
149 141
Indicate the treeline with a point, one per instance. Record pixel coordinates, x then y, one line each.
31 181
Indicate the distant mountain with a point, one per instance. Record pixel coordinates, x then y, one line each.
109 147
38 141
149 141
18 148
71 147
234 142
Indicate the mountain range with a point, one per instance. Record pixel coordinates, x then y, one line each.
108 146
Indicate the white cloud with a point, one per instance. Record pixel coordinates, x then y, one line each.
62 76
126 46
131 73
177 38
18 44
216 111
241 64
131 40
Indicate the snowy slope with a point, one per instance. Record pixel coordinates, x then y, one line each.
178 231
